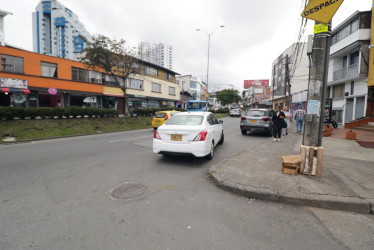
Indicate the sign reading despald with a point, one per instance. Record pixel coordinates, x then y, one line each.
248 83
321 10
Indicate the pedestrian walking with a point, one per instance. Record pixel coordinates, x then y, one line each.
287 118
278 121
299 116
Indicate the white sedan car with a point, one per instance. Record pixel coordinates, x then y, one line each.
189 133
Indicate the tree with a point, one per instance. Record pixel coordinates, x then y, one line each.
228 96
114 58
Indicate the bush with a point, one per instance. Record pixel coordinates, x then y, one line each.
224 110
212 111
9 113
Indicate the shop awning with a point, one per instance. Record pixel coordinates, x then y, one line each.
111 91
13 90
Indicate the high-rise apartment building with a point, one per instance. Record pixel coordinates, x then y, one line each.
160 54
57 31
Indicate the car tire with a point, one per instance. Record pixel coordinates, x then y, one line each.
222 139
154 128
244 132
211 153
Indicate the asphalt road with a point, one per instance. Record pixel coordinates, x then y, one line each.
110 191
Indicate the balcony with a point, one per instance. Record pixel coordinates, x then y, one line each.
347 72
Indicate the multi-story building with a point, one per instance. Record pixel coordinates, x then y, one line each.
348 67
192 88
160 54
290 77
2 36
255 91
29 79
57 31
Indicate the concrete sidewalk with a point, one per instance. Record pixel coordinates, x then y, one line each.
347 182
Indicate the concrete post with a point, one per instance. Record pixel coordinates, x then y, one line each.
317 89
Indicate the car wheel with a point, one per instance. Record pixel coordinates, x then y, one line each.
244 132
155 128
222 139
211 153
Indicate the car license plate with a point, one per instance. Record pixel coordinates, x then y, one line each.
253 121
176 137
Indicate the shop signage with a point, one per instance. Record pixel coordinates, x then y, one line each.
13 83
248 83
321 10
52 90
90 99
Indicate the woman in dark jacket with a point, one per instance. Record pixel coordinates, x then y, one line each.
278 120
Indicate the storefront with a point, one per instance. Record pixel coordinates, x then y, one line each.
13 92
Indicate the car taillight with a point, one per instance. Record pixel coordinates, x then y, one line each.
166 117
156 135
265 119
201 136
243 118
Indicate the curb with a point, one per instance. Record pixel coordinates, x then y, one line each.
349 204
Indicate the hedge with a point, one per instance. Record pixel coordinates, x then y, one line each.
151 111
9 113
224 110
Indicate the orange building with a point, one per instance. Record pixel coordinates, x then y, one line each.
29 79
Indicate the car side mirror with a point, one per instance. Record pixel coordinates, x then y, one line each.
220 121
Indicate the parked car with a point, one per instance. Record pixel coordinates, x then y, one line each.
257 120
235 112
161 116
189 133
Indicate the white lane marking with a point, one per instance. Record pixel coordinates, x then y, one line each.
132 138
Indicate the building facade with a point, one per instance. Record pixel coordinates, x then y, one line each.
290 74
192 88
29 79
160 54
348 67
57 31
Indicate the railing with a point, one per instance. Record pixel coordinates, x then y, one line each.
346 72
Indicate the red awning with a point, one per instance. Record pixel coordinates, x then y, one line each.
12 90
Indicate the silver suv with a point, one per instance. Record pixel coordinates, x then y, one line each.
257 120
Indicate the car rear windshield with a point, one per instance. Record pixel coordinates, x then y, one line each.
255 113
185 120
160 115
235 110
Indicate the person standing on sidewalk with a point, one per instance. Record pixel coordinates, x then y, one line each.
278 120
299 116
287 118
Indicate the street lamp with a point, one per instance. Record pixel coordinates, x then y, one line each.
209 35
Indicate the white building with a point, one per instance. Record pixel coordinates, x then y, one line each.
290 71
2 32
193 87
57 31
348 67
160 54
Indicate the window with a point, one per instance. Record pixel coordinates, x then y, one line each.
338 91
169 76
171 91
156 87
95 77
111 81
352 87
193 84
49 69
150 71
11 64
134 83
79 74
355 24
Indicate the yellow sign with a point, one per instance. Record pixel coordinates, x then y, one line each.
320 28
321 10
206 95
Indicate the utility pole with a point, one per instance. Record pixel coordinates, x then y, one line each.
317 89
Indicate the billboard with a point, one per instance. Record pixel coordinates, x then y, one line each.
249 83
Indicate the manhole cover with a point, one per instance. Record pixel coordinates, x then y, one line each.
128 191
